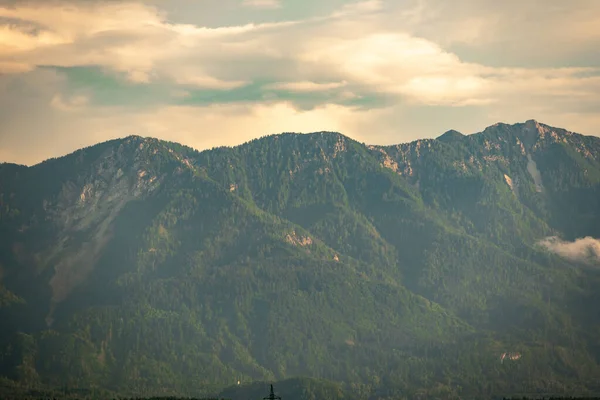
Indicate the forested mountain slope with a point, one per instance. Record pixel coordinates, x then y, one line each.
142 266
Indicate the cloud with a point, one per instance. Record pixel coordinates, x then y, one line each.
262 3
349 46
532 34
383 72
585 250
128 37
305 86
64 121
207 82
68 104
360 7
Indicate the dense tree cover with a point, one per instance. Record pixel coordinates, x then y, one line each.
144 268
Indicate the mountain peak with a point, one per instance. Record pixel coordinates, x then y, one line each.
542 130
309 134
533 125
321 138
451 136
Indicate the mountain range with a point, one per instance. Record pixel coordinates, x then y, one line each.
457 267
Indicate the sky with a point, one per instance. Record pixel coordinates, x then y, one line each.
207 73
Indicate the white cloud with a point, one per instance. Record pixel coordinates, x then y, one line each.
513 32
444 90
207 82
68 104
262 3
349 46
129 37
365 49
585 250
305 86
360 8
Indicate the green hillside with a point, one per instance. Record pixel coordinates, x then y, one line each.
339 269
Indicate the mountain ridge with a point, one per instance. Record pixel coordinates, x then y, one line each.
141 265
531 124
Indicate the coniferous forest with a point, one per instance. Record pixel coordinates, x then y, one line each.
448 268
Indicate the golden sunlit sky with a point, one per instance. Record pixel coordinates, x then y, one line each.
220 72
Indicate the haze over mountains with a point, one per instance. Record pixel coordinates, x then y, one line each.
143 266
